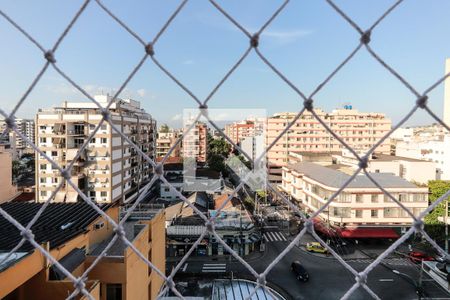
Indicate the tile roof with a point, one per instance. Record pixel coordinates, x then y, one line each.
334 178
58 223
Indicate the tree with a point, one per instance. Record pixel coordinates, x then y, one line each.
164 128
434 227
437 188
17 168
219 147
218 151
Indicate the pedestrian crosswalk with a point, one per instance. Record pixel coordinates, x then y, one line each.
214 268
393 261
274 236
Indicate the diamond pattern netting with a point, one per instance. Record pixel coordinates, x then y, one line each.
308 102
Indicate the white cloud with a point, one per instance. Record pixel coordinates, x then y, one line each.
141 92
188 62
177 117
286 36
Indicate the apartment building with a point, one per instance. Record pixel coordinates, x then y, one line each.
411 169
254 146
166 139
357 129
237 131
7 190
25 127
446 112
436 151
361 203
109 169
75 234
195 142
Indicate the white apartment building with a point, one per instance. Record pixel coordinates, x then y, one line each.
361 203
357 129
253 146
446 118
109 169
25 127
437 151
411 169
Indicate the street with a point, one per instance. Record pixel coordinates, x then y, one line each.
328 278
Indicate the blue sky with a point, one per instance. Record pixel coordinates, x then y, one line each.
306 42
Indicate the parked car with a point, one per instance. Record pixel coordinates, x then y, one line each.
418 257
299 271
316 247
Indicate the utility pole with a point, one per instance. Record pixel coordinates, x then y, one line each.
446 226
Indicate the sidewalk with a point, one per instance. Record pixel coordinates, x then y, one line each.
255 255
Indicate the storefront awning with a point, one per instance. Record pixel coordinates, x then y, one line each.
386 233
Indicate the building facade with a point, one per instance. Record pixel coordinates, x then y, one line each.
237 131
27 128
357 129
411 169
109 169
75 234
7 190
195 142
436 151
165 141
361 203
446 118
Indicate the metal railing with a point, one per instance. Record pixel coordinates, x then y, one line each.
149 52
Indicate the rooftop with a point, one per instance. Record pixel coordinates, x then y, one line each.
58 223
336 179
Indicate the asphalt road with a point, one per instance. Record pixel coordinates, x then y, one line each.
328 278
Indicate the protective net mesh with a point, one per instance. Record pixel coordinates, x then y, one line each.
149 51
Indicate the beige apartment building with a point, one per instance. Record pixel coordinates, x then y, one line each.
7 189
357 129
361 203
165 141
75 235
109 169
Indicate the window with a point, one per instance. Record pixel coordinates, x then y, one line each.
92 141
344 197
42 166
103 194
359 198
374 213
42 179
92 194
358 213
403 197
54 153
418 197
104 140
43 193
42 140
374 198
113 291
103 127
54 179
